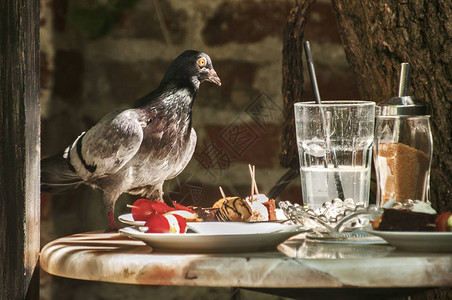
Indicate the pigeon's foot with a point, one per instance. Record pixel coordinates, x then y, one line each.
112 227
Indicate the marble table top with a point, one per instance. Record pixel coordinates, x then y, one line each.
296 263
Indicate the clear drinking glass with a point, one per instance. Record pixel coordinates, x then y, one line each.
335 150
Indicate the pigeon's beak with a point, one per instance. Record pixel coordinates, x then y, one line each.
213 77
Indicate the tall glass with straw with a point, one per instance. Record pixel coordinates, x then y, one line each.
334 141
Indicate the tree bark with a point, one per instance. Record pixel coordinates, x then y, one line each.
19 149
378 36
292 88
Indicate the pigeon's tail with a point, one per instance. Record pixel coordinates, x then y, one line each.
57 176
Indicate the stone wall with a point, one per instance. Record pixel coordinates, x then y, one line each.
106 59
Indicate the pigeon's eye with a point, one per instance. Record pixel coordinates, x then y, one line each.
202 62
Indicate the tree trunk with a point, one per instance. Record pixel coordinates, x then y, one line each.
378 36
292 68
19 149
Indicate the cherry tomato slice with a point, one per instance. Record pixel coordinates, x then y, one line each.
142 209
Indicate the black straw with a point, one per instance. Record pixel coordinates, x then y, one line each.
315 88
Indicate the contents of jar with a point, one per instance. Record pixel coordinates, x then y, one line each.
403 172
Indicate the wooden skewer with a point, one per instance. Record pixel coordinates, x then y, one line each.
254 188
222 193
254 179
132 206
252 182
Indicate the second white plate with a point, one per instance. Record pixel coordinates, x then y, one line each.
128 219
417 241
206 227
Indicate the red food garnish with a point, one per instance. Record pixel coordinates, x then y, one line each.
181 207
182 223
161 207
157 224
161 224
142 209
441 222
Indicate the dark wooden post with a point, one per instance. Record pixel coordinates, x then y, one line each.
19 149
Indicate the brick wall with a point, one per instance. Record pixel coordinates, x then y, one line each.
237 124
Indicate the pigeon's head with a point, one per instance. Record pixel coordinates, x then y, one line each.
192 67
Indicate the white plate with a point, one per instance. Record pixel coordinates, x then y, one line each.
417 241
214 242
237 227
128 219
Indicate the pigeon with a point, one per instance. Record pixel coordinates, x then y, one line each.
136 149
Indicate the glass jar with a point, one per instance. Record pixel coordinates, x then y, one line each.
403 150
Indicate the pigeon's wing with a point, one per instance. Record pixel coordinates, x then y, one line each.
108 146
186 156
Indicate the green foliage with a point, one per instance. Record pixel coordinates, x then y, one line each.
96 20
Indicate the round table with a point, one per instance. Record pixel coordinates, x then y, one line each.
295 266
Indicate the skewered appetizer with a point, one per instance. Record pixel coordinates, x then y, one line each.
160 217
